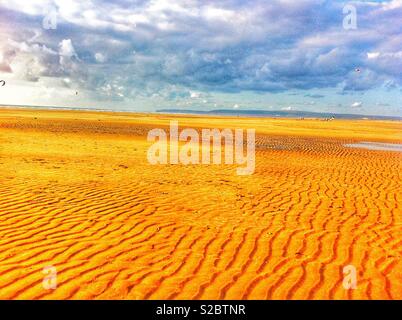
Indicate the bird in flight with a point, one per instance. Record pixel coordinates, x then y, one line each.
3 83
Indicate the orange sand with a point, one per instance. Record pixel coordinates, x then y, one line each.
78 193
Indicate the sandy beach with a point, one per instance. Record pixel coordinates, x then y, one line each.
78 194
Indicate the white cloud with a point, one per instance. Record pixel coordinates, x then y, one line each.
195 95
100 57
66 48
67 55
356 105
205 48
391 5
373 55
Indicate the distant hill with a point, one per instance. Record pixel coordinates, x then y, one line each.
228 112
278 114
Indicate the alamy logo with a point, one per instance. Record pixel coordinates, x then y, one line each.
350 277
49 22
164 152
50 280
350 19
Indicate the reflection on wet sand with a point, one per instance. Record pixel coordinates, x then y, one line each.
376 146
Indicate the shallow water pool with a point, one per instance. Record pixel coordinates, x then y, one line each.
376 146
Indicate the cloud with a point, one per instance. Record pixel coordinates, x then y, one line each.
5 60
195 95
356 105
178 51
373 55
99 57
67 53
66 49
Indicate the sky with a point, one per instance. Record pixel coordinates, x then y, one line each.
323 56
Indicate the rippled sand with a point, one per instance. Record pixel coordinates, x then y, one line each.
78 194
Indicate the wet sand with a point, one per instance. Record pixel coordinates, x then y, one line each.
77 193
377 146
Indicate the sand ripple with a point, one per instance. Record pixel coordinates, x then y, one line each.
79 195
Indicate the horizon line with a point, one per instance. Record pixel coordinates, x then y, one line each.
211 112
